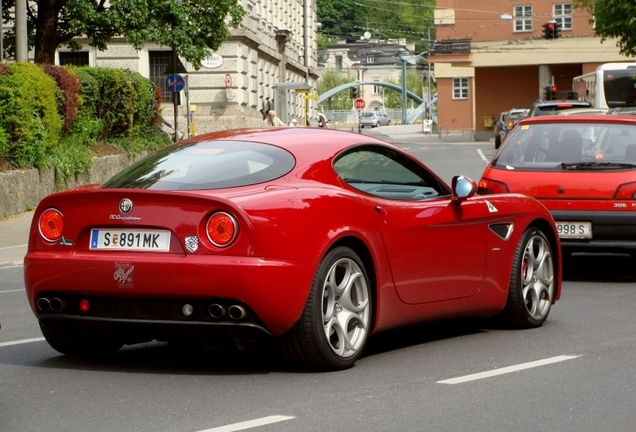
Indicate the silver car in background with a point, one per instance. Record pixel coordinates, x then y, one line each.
374 119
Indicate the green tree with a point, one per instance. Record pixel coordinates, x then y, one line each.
331 79
414 84
613 19
192 27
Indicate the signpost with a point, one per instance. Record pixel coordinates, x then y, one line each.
359 104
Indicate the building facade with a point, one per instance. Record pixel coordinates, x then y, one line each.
260 67
492 57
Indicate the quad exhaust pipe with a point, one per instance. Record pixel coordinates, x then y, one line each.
235 312
55 304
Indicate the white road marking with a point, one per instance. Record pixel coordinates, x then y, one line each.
23 341
483 157
12 247
507 370
250 424
8 291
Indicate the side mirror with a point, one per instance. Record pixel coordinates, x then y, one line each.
463 187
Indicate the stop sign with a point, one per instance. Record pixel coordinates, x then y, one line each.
359 103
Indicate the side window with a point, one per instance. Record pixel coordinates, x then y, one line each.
385 173
460 88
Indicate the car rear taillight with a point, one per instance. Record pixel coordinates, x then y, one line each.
222 229
626 191
51 225
489 187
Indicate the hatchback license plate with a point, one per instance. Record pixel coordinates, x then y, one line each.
130 239
581 230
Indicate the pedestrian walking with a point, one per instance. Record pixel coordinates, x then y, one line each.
272 120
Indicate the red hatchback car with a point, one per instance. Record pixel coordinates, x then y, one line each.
314 238
582 168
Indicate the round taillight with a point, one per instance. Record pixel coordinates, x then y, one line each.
222 229
51 225
84 306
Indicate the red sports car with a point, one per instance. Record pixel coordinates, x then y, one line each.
316 238
582 168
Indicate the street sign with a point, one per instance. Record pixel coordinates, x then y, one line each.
228 81
175 83
359 104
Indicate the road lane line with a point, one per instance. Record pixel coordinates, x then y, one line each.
12 247
483 157
23 341
506 370
8 291
250 424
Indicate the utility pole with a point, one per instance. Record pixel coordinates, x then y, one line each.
21 42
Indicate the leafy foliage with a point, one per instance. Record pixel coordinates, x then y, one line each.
28 114
393 99
330 79
193 27
614 19
350 19
69 89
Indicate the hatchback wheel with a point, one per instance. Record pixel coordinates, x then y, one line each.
532 281
334 326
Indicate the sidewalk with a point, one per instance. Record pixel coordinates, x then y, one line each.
14 232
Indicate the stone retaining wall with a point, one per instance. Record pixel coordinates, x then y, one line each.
22 190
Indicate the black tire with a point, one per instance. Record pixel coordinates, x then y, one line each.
72 343
532 281
307 344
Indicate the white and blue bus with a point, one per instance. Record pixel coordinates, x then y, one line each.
612 85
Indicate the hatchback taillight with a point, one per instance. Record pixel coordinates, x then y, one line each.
51 225
626 191
489 187
222 229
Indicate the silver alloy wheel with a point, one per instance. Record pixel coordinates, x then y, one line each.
537 277
346 310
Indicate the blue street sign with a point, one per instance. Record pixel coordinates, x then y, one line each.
175 83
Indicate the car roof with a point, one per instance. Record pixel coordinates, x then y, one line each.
580 118
305 143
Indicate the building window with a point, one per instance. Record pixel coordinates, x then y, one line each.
339 62
370 59
523 18
376 88
75 58
563 15
159 61
460 88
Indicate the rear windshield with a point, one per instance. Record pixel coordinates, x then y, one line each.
568 146
206 165
368 114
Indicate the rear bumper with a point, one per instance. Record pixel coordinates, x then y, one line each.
611 231
274 292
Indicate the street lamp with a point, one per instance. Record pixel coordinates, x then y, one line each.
404 56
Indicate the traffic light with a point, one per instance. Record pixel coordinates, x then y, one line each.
549 92
549 30
557 31
353 92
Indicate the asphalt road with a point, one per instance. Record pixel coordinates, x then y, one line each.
576 373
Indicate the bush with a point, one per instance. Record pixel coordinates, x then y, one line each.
28 114
117 101
68 87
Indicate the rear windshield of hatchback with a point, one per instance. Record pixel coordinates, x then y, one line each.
206 165
569 146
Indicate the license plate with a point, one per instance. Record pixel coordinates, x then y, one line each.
130 240
581 230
